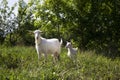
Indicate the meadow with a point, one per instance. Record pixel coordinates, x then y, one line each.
21 63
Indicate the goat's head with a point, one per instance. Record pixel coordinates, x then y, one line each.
37 34
68 45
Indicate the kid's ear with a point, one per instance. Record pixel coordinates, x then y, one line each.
30 32
41 31
66 41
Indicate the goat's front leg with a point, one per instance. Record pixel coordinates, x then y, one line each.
38 51
39 54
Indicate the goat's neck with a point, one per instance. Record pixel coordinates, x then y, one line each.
70 48
38 41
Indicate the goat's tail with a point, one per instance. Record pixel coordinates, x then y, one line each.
61 41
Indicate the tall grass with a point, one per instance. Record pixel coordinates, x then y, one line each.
21 63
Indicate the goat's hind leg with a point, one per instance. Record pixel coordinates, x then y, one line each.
57 56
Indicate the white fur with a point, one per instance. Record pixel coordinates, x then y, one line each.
72 52
46 46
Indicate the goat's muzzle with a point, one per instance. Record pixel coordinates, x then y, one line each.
37 38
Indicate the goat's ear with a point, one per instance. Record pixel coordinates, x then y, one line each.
40 31
33 32
66 41
30 32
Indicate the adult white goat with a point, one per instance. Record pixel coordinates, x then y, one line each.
72 52
46 46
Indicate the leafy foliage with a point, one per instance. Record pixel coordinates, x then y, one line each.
7 20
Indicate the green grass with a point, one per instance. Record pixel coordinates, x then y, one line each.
21 63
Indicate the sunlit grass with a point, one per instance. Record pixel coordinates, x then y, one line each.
21 63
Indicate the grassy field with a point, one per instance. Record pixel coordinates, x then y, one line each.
21 63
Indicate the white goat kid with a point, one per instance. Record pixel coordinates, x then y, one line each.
46 46
72 52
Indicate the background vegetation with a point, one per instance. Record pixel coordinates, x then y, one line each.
90 25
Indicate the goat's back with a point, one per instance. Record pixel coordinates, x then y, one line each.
50 45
